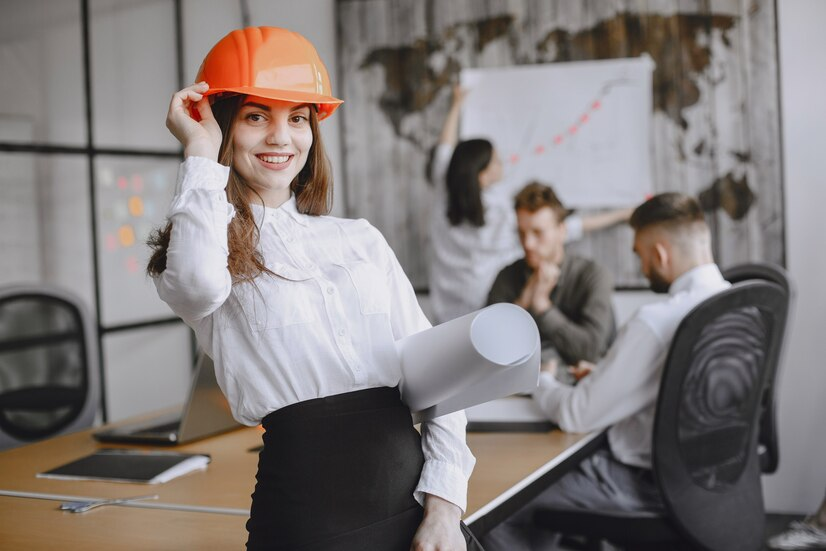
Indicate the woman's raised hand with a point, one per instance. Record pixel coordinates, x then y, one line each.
199 138
459 94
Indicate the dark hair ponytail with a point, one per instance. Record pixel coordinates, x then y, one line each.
464 195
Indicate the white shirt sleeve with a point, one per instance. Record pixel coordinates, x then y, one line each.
441 161
623 383
196 280
574 227
448 462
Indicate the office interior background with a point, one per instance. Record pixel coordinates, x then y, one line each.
87 168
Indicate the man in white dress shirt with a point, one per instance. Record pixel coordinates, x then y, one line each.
673 244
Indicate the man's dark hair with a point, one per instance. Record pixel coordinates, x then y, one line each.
672 210
537 196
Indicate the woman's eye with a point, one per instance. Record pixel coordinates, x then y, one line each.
255 117
299 119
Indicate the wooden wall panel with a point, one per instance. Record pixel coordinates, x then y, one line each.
715 130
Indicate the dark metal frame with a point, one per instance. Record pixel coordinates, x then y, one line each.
91 152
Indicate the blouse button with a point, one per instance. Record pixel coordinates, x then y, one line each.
342 332
330 290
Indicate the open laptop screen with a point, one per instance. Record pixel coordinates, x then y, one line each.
205 412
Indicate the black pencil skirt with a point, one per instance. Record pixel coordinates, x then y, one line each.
338 473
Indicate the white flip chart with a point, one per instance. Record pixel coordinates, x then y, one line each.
582 127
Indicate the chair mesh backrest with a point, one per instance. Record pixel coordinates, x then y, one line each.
723 380
767 437
43 365
705 433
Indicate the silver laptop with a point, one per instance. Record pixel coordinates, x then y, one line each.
206 412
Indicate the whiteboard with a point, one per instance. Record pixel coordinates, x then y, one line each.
582 127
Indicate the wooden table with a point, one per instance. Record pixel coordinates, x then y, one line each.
208 509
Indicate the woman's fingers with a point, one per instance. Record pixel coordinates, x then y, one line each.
191 94
191 121
204 109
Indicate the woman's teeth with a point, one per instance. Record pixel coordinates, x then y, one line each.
277 159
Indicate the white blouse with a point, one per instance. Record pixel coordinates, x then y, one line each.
622 391
325 324
465 258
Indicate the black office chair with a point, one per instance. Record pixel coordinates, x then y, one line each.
768 447
704 450
48 364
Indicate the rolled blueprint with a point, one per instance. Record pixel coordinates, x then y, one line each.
487 354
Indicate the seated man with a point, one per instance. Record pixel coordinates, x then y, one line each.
673 243
569 296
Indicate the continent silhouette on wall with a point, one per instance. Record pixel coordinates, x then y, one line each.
715 122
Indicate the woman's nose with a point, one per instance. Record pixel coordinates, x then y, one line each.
278 133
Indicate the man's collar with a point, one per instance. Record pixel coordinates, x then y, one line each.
699 274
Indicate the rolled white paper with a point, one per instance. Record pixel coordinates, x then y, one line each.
487 354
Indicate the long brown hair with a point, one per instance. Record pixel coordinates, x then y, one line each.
313 189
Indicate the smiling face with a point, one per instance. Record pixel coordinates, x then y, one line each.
271 142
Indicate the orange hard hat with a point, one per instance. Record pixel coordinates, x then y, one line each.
272 63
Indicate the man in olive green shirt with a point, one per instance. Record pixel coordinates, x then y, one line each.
568 296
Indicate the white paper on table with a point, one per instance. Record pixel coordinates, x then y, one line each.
511 409
487 354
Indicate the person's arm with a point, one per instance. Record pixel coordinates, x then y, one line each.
586 338
450 129
600 220
622 384
578 225
442 152
196 280
438 527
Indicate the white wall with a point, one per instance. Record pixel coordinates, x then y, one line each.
800 482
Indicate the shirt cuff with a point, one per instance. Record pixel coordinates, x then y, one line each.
443 480
574 227
201 173
546 380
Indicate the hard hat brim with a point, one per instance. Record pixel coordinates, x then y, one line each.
326 104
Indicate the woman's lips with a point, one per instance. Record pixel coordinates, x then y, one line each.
275 162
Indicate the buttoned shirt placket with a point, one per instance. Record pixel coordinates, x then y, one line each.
287 230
